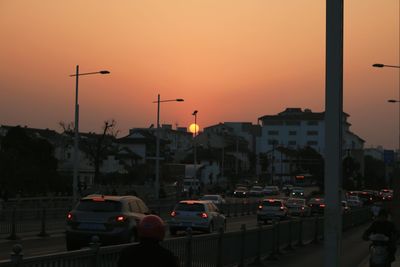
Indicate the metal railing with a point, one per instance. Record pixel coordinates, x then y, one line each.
221 249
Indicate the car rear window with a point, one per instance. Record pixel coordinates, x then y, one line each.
295 202
316 201
209 198
190 207
272 203
99 206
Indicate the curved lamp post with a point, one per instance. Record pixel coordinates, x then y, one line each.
157 181
395 182
76 130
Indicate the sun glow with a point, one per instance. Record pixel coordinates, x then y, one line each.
194 128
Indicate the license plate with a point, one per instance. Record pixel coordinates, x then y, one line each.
92 226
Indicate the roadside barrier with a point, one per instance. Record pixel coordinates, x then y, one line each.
210 250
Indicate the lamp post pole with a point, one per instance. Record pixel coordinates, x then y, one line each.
76 131
396 180
194 143
76 140
157 179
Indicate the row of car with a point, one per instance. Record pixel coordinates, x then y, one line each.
278 209
114 219
259 191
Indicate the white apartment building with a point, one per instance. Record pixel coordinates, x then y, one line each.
297 128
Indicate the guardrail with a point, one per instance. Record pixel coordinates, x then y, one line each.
44 221
222 249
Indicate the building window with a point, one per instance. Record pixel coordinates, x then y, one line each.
272 122
292 143
273 132
292 122
312 132
312 143
292 133
312 123
272 142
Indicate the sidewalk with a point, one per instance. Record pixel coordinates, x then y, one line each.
396 263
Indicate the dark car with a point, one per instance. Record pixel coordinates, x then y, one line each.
241 191
112 218
317 205
297 192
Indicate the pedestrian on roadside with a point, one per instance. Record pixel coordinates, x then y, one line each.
382 225
148 252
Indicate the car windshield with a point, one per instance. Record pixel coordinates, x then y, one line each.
99 206
241 189
298 189
272 203
184 206
256 188
270 188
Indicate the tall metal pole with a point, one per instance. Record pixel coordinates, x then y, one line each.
195 144
396 184
76 141
237 155
157 181
333 131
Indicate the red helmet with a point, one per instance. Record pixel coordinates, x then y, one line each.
151 227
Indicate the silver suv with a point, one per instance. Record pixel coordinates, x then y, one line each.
112 218
199 215
271 209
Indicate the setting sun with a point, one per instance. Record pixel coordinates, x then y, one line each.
194 128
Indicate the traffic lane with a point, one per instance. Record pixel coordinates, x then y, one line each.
353 251
35 246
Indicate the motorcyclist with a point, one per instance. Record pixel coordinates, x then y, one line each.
148 252
382 225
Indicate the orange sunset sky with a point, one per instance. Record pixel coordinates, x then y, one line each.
232 60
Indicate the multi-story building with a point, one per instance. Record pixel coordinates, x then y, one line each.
295 128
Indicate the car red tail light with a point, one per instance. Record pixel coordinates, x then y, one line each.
173 213
260 207
120 218
322 205
302 208
203 215
69 217
281 208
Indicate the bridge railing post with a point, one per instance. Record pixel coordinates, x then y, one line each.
189 240
17 255
242 245
13 234
43 224
219 247
95 247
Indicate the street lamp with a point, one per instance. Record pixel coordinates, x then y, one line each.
76 130
157 181
395 182
194 143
